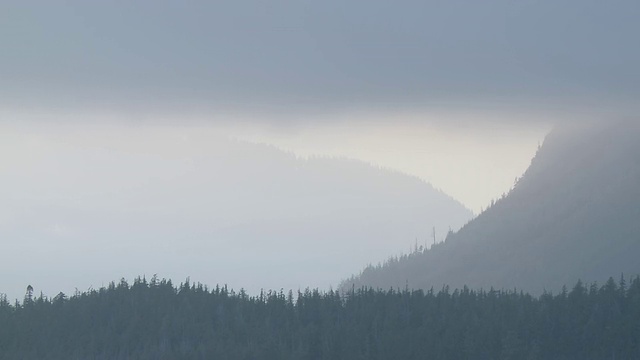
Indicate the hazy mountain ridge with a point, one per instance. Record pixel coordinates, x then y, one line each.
573 215
216 209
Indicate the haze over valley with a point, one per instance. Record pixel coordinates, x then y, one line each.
183 202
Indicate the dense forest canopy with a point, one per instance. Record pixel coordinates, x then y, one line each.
152 319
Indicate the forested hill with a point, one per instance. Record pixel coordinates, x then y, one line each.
573 215
154 320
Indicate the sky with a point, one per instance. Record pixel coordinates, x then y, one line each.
456 93
474 164
302 57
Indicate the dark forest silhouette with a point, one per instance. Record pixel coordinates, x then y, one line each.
155 320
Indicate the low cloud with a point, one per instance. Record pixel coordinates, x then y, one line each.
293 59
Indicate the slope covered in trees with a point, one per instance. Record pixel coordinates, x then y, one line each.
154 320
573 215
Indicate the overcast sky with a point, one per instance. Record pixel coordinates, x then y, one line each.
307 56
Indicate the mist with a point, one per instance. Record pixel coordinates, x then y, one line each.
85 205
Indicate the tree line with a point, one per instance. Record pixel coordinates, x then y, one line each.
153 319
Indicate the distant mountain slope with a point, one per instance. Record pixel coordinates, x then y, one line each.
77 212
575 214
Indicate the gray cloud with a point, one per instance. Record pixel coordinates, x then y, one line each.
293 56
